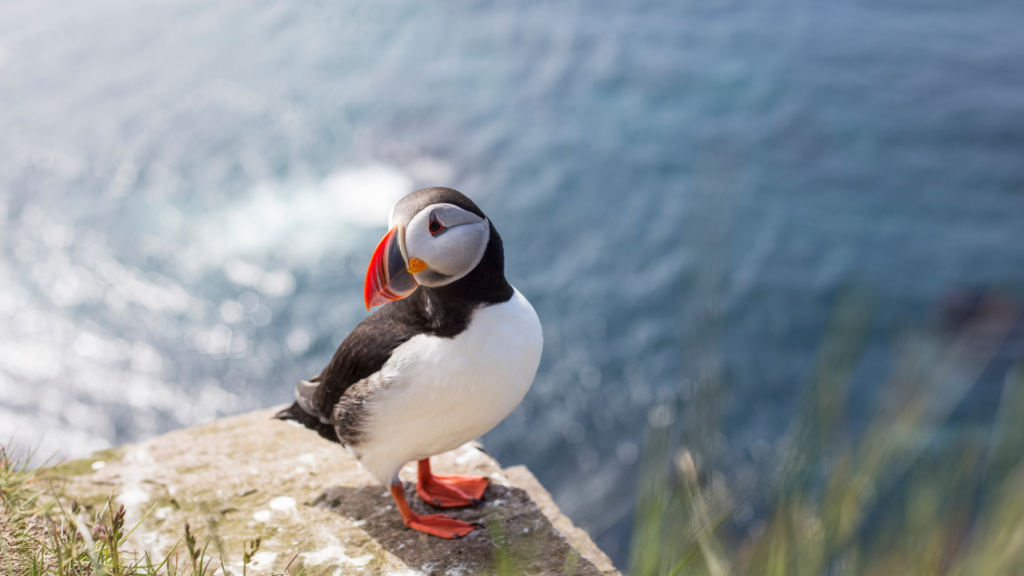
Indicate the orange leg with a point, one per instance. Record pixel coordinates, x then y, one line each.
449 491
433 524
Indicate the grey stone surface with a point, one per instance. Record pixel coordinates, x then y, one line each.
314 507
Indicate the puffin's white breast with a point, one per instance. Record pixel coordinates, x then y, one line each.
440 393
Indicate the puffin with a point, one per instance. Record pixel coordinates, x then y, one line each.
450 352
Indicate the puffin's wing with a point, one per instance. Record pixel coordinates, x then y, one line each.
297 414
362 354
304 391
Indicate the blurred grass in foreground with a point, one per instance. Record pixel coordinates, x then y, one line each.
907 496
41 534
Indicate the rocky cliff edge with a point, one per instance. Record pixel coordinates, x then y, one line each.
316 510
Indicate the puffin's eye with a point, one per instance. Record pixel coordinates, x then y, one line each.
435 226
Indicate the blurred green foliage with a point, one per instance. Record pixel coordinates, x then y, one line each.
41 534
912 494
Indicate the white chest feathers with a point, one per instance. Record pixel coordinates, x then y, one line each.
440 393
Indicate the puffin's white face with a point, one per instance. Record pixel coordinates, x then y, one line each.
439 245
448 240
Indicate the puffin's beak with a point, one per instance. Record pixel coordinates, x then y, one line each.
389 276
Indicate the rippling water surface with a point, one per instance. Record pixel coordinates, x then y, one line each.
190 192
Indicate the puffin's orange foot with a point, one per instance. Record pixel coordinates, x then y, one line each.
451 491
433 524
439 525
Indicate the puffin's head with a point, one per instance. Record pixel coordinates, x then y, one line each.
437 236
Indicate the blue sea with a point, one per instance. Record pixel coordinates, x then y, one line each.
190 192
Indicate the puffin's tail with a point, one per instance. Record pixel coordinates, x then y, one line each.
301 411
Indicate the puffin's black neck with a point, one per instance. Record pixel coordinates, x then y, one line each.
448 309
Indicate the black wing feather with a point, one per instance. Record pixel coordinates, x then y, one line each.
363 352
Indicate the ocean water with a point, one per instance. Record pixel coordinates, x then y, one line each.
190 192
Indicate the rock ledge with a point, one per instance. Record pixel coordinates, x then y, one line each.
246 476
